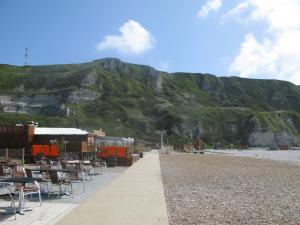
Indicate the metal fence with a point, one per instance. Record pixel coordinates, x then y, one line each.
78 156
17 154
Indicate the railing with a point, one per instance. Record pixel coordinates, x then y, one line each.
78 156
9 153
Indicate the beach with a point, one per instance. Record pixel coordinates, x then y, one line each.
224 189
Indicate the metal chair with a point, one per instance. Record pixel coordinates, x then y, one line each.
18 171
4 172
88 170
63 164
75 175
43 179
5 194
98 166
30 190
55 180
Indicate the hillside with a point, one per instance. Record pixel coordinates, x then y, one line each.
135 100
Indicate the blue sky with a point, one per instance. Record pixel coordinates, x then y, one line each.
236 37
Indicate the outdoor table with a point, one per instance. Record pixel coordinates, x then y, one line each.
11 165
8 163
23 181
86 162
45 170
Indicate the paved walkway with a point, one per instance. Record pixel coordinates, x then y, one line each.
53 209
45 215
134 198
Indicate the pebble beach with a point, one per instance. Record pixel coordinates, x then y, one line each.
224 189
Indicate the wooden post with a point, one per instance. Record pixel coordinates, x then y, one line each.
6 153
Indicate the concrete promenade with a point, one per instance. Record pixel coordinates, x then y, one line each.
134 198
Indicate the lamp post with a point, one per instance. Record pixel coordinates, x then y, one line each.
161 132
53 142
130 141
65 146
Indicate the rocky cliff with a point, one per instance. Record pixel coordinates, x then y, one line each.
135 100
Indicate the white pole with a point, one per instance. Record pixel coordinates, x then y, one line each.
161 140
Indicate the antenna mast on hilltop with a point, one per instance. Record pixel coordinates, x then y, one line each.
26 57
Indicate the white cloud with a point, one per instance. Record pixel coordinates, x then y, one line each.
279 14
236 12
210 6
277 56
133 39
254 57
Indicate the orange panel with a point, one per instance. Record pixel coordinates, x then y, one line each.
105 151
122 152
54 151
46 150
111 150
35 150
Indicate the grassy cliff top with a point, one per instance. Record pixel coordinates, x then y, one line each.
135 100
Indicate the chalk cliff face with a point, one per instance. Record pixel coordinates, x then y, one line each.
135 100
28 104
44 104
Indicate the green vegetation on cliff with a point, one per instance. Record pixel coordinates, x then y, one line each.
134 100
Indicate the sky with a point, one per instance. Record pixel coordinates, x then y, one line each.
246 38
